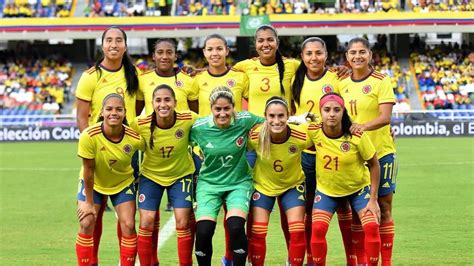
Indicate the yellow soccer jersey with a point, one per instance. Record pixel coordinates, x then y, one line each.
204 82
362 99
113 160
282 170
340 163
264 81
181 84
94 89
170 159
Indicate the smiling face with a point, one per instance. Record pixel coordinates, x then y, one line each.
359 56
164 56
276 115
266 44
215 52
331 113
113 112
114 45
314 57
222 110
164 103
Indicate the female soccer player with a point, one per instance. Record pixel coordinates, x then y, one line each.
224 176
342 175
167 164
165 56
218 74
106 149
114 72
278 174
369 99
312 80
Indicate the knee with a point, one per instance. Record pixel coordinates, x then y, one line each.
87 224
205 230
385 210
236 226
182 222
147 222
319 230
128 226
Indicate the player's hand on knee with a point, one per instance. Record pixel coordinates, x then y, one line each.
84 210
372 208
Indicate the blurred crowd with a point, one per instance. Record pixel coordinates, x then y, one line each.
35 8
34 84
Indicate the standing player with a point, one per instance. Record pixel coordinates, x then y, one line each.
217 75
342 175
225 175
278 174
106 149
165 56
167 164
369 100
312 80
114 72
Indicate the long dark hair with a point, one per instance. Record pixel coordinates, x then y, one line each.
346 120
130 71
278 56
302 69
104 101
153 123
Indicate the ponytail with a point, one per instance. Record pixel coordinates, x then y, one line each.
298 82
281 71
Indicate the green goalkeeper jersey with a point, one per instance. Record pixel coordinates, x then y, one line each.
225 164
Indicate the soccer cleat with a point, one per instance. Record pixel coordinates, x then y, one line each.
226 262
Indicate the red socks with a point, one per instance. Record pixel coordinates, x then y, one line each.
358 240
154 241
387 233
128 250
319 245
297 248
84 249
372 238
308 224
144 246
345 220
257 246
185 246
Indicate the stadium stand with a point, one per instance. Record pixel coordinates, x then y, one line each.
444 77
35 8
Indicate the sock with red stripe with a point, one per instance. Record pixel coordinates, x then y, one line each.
372 239
308 228
297 243
249 235
345 220
185 246
257 246
284 224
98 233
154 240
84 249
387 234
319 245
144 246
128 250
358 242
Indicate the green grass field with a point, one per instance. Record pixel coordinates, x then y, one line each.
433 208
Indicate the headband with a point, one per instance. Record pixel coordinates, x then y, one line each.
276 101
331 97
227 93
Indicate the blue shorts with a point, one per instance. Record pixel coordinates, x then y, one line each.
293 197
129 193
327 203
251 158
179 193
308 163
388 174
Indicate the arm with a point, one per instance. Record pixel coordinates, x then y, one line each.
373 205
194 106
385 114
139 105
88 207
82 114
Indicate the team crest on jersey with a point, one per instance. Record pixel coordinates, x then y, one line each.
292 149
127 148
179 133
367 89
327 89
345 146
230 83
179 83
141 198
239 141
256 196
317 198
